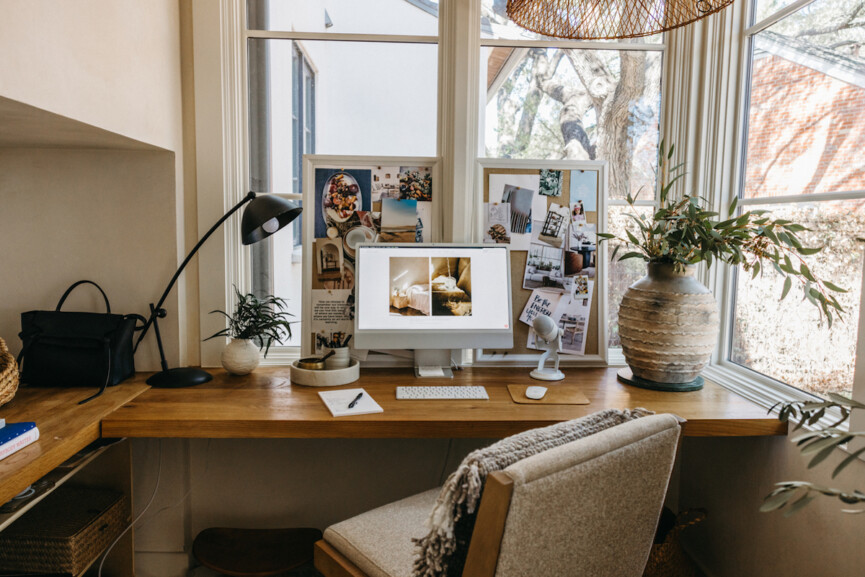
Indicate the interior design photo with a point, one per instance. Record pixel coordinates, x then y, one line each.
410 286
391 288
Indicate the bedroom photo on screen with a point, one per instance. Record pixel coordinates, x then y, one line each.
451 286
409 286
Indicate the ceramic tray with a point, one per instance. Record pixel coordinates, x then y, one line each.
325 377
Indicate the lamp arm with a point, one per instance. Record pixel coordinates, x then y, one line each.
157 311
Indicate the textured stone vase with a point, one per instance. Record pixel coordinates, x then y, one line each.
240 357
668 325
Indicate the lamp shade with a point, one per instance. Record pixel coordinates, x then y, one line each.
608 19
264 215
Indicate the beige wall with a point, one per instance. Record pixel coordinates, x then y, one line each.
103 215
113 64
730 477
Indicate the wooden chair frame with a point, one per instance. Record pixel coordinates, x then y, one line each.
484 547
486 541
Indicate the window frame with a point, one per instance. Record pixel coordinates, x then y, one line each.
757 387
220 50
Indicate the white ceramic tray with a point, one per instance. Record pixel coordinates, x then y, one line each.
325 377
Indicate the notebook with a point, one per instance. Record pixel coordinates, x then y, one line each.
338 401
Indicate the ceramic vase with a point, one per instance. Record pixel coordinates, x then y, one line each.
240 357
668 325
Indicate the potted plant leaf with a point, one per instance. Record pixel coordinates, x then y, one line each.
256 324
668 321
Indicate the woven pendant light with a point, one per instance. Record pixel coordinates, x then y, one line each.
608 19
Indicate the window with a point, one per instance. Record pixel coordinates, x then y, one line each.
805 133
552 102
332 80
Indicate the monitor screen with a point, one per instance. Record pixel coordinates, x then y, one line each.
433 296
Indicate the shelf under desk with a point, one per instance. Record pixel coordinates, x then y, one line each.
65 427
266 405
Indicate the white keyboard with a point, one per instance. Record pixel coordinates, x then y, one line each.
436 393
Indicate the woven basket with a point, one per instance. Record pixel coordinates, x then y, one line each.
667 558
8 374
64 533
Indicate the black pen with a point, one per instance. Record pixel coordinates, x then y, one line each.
356 399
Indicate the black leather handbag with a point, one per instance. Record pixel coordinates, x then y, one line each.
75 349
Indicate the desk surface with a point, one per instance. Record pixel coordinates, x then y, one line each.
65 427
266 405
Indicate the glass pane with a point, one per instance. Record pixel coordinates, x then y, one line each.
806 122
400 17
496 24
577 104
787 340
280 273
765 8
622 274
358 98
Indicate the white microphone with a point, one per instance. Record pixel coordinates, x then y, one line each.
549 333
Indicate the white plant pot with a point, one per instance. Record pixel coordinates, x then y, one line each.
241 357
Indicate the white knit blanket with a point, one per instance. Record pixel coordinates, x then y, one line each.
461 493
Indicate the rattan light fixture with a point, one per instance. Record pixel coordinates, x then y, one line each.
608 19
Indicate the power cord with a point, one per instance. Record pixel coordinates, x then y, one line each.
445 464
146 507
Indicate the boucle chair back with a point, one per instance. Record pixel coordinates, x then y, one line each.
589 507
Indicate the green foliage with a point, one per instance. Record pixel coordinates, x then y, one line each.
818 444
261 320
682 233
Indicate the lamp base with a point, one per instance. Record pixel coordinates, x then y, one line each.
547 375
179 378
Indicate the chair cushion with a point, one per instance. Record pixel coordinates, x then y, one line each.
379 542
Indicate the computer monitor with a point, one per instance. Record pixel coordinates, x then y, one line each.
433 298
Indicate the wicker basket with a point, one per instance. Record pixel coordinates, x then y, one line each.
8 374
64 533
667 558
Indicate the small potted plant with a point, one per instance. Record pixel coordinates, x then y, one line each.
668 321
256 324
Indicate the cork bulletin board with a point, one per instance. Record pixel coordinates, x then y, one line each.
578 187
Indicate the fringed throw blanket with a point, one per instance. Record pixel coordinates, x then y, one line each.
443 550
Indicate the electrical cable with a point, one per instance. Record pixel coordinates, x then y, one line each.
146 507
445 464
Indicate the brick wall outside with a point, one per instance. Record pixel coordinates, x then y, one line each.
806 132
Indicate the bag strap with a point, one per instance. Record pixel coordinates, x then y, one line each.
107 375
70 289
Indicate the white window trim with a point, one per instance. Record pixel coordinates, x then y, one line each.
710 130
220 53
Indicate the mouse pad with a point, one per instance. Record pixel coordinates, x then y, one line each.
556 395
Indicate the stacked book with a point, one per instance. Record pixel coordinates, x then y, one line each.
16 436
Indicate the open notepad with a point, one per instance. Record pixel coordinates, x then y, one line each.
338 401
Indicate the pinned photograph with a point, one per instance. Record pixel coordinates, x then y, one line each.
551 182
451 286
497 223
410 286
328 259
520 200
423 232
581 256
385 182
499 183
578 212
584 189
573 324
339 195
399 220
415 182
544 268
553 228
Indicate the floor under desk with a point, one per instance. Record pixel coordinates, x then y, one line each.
266 405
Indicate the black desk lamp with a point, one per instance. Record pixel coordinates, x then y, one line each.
264 216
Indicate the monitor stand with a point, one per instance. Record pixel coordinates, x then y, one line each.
432 363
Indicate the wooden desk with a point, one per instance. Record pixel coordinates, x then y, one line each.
65 427
266 405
